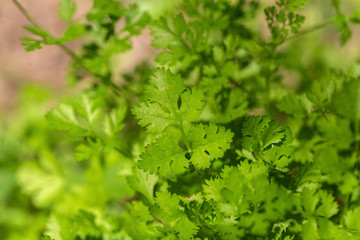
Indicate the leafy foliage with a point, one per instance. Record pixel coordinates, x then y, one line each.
169 102
208 142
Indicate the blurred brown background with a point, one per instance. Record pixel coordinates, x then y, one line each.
47 66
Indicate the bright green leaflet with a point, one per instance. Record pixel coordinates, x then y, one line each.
208 143
169 102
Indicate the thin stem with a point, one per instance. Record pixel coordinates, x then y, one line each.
235 83
180 126
26 14
312 29
184 137
267 104
347 203
120 91
357 140
70 53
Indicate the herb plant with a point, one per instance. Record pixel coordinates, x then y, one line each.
206 142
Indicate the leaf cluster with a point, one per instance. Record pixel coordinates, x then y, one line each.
206 142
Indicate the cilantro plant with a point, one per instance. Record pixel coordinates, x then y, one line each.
208 141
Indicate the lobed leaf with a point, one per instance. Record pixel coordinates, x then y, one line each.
67 9
208 143
169 102
167 210
63 118
164 157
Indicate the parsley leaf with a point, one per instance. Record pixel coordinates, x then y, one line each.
63 118
169 102
268 141
347 100
168 211
67 9
164 157
144 183
208 143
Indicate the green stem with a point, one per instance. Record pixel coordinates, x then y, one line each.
312 29
180 126
347 203
357 140
184 137
69 52
267 104
26 14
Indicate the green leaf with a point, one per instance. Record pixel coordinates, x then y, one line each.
72 33
63 118
318 203
330 230
347 100
239 188
298 106
82 222
46 237
343 28
279 157
153 117
208 143
328 207
169 102
180 24
87 109
144 183
218 54
164 37
268 140
191 104
167 210
238 181
237 107
355 18
79 118
164 88
350 182
336 4
295 4
43 185
113 122
38 31
281 227
259 132
139 223
162 93
87 151
351 219
67 9
31 44
309 200
102 9
273 134
164 157
310 230
336 130
322 89
328 160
